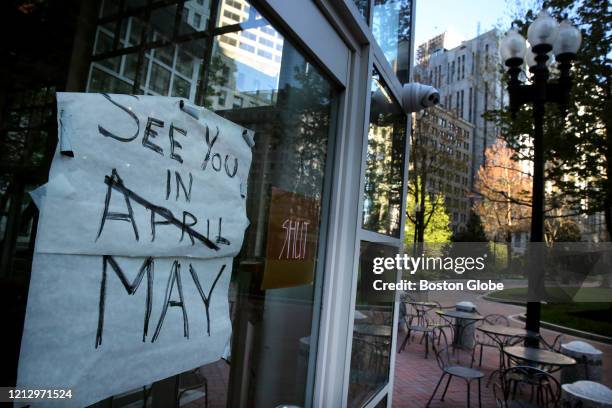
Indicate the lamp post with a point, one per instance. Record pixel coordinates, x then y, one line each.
545 37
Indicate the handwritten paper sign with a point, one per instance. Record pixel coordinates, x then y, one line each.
138 228
293 226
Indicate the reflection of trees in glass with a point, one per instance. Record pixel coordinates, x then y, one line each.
383 174
391 29
292 127
437 226
308 115
434 158
220 71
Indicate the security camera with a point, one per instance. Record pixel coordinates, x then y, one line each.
416 97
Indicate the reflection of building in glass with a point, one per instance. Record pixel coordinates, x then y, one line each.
378 206
447 140
385 162
468 78
171 70
250 59
391 27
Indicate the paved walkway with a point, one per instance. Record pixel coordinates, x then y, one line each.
416 377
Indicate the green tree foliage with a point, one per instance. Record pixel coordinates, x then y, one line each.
437 220
579 148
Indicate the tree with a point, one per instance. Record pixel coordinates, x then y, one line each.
473 232
434 155
436 218
578 148
506 194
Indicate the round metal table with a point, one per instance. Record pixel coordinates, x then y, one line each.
543 358
376 330
462 320
499 333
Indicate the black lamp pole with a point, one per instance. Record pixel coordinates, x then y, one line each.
538 94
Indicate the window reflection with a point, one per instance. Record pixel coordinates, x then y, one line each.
255 78
382 200
364 8
163 48
391 26
289 105
372 329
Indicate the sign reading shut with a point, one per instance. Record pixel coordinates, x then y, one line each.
139 223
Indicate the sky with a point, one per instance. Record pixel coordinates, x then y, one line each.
460 16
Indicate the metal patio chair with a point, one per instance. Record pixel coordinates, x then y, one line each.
482 340
455 362
420 322
516 383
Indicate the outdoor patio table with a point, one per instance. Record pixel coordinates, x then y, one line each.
543 358
421 308
376 330
359 315
462 320
499 333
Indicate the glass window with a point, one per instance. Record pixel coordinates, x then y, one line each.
266 85
382 201
391 26
286 101
364 8
372 329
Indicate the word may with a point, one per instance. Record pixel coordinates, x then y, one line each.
115 183
174 281
151 133
294 245
403 261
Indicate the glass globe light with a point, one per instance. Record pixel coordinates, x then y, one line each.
568 40
512 46
543 31
531 61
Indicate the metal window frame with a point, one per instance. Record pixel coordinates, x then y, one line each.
345 235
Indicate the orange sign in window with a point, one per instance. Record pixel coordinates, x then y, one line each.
293 228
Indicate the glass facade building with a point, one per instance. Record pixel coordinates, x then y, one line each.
319 84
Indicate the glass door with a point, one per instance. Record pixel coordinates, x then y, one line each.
380 235
226 56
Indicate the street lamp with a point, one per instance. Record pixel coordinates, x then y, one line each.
546 37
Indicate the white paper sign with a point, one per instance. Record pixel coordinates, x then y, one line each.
136 238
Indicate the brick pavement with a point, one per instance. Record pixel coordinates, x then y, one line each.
416 377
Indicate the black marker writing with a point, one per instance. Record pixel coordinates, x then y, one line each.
175 277
115 183
131 288
129 216
209 143
205 299
151 133
104 132
174 145
227 170
195 221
